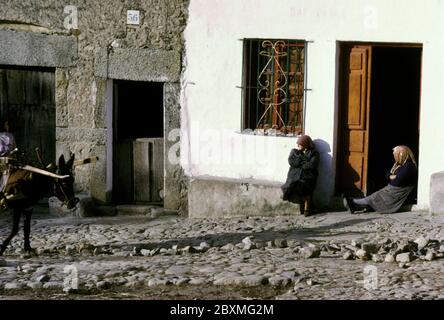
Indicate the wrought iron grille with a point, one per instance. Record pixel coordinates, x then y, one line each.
273 83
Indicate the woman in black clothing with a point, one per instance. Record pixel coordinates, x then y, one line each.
402 180
302 175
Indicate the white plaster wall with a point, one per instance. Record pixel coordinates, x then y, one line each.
211 102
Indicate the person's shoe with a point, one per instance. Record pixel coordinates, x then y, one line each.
348 204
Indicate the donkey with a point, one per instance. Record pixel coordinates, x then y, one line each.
33 187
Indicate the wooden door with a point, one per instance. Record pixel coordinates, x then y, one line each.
148 169
27 100
138 171
354 119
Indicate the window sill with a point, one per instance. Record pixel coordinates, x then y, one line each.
261 133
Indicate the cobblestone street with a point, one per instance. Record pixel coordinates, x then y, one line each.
327 256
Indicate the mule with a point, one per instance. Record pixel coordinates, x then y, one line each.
33 187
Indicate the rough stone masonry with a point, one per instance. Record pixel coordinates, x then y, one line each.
88 43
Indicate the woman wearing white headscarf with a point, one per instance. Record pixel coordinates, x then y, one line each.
402 179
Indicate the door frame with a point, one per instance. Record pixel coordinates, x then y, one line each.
137 148
343 47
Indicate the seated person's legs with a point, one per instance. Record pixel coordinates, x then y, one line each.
353 205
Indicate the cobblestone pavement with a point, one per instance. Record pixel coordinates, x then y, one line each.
327 256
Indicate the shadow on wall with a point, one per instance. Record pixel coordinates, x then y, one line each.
324 186
352 179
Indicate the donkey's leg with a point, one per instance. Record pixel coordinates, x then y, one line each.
27 229
15 227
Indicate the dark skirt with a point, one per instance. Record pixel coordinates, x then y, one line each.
389 199
298 190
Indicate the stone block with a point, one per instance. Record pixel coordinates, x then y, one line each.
85 208
221 197
37 49
437 193
138 64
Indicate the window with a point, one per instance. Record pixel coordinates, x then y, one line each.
273 83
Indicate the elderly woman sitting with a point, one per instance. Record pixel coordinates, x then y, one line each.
402 180
302 175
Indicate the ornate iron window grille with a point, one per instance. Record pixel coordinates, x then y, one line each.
274 86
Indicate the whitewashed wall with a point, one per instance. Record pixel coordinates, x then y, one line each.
211 102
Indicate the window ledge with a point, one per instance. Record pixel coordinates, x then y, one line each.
270 134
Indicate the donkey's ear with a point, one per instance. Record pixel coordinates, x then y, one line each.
61 161
70 161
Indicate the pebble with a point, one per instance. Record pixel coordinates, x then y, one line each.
145 252
361 254
13 286
35 284
348 255
430 255
310 252
357 242
280 243
404 257
377 258
228 247
103 284
158 282
421 242
278 281
43 278
52 285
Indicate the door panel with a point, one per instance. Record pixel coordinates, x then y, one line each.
355 167
356 141
148 169
352 166
141 166
27 100
122 172
356 119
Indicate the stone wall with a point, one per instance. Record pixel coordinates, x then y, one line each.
222 198
80 89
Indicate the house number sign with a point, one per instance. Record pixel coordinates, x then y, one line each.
133 17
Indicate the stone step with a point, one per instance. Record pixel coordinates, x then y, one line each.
134 209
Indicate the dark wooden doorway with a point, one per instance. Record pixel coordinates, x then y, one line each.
27 100
394 108
138 169
379 109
